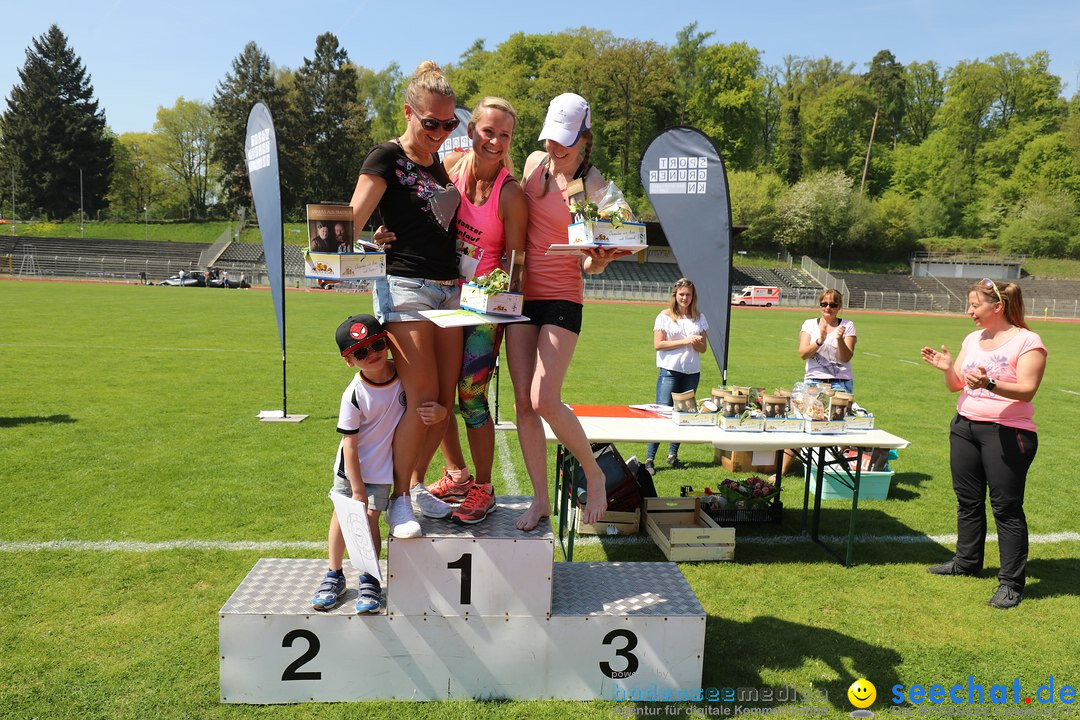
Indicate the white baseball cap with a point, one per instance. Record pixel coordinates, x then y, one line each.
567 116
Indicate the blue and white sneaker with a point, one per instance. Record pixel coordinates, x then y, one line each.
330 591
370 599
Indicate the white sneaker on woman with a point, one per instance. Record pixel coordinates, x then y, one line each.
402 521
430 505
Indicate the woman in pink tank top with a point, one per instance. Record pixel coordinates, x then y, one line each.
539 351
992 439
490 222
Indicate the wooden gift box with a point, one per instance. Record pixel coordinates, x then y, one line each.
683 532
612 523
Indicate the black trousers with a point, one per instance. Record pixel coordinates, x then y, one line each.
985 455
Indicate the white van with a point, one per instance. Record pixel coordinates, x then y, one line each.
757 295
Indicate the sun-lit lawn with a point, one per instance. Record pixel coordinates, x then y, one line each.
128 414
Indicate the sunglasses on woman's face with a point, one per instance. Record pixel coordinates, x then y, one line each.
830 305
377 346
991 285
430 124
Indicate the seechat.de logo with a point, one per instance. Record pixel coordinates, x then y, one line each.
862 695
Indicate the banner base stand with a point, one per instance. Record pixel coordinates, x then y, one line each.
279 416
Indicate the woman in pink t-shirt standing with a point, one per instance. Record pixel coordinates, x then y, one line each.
539 351
992 439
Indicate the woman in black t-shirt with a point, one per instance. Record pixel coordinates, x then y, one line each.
406 181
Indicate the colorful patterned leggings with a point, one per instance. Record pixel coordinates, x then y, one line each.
477 365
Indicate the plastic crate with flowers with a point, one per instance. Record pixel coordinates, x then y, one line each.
749 500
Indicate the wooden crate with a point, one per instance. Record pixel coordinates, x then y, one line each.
743 460
612 523
683 532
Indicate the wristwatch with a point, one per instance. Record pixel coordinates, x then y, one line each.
991 384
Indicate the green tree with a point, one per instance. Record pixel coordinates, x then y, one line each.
334 130
817 212
936 175
635 82
251 80
836 127
924 94
887 86
384 93
183 136
726 102
137 179
753 203
885 226
53 129
965 114
788 153
686 54
1025 91
1046 225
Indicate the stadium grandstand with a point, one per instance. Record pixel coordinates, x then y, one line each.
648 276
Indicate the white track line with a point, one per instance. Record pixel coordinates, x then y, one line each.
276 351
864 352
909 362
240 545
1071 392
502 452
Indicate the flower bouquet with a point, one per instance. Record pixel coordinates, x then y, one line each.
748 494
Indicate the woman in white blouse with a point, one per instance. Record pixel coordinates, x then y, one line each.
679 339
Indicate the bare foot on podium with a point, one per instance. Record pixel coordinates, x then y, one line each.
538 510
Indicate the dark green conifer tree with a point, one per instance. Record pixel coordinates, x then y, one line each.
52 129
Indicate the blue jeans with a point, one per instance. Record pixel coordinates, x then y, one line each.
667 382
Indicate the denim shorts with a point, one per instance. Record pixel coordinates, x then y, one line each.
835 383
399 299
378 494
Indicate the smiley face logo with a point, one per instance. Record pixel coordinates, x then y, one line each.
862 693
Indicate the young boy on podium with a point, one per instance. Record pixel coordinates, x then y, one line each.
371 407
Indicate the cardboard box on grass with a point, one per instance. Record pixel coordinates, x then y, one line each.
759 461
683 532
501 303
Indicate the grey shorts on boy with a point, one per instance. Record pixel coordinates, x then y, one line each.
378 494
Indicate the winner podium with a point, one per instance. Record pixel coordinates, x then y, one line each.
476 611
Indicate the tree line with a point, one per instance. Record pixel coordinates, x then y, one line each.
819 153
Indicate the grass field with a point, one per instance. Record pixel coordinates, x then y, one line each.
193 232
128 415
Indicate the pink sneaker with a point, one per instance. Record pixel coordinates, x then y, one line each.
477 505
449 490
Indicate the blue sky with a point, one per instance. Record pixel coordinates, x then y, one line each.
142 55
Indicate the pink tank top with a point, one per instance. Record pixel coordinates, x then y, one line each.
480 224
554 277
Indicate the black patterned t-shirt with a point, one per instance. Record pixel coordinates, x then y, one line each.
419 207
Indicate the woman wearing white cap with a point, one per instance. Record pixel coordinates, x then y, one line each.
540 350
